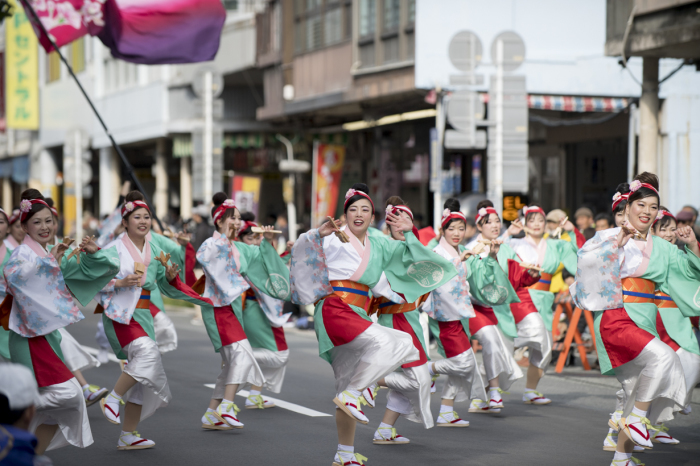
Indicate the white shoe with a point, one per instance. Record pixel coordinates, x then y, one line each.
451 419
370 394
212 421
388 436
637 429
630 462
347 458
479 406
531 397
496 401
110 408
93 394
351 405
660 435
133 441
687 410
433 387
614 420
227 411
103 356
257 402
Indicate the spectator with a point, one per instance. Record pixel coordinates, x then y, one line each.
203 230
602 222
554 218
18 398
688 216
583 218
471 230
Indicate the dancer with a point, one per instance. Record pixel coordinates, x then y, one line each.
535 329
128 323
226 265
263 321
494 327
74 355
450 310
41 285
337 276
5 253
622 294
17 234
409 392
674 327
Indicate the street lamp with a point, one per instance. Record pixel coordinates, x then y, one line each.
291 167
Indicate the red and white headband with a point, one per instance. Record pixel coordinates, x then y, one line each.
661 214
448 215
132 206
247 224
394 209
484 212
54 211
353 192
15 216
533 210
636 184
619 197
227 204
26 205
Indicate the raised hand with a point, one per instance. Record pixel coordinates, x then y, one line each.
464 255
58 251
566 224
495 247
327 228
171 272
515 227
268 234
88 245
627 232
399 222
183 238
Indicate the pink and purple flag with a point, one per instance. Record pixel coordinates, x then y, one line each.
137 31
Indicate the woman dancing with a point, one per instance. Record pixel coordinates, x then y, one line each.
618 271
336 270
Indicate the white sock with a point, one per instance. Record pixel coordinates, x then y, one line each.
614 432
493 389
114 394
430 369
446 409
209 410
354 393
384 425
126 433
639 412
86 386
226 401
622 456
348 448
254 393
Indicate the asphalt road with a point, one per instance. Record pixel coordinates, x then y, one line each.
570 431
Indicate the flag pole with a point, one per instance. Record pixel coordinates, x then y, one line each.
129 168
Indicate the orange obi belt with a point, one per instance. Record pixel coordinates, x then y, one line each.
662 300
249 294
144 302
638 290
544 283
383 305
351 293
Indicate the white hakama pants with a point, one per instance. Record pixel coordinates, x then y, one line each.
498 361
409 394
464 382
145 366
238 366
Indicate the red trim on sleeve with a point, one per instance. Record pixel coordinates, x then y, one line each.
190 262
580 239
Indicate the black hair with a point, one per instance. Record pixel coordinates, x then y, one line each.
471 222
622 188
218 199
9 416
357 187
248 217
133 196
603 216
51 204
643 192
483 205
395 200
665 220
453 205
31 194
529 216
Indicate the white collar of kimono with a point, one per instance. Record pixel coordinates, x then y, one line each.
138 256
363 250
540 249
34 246
451 251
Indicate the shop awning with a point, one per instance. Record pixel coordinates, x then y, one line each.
577 104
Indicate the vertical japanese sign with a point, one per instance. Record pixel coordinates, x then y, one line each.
246 193
21 71
328 169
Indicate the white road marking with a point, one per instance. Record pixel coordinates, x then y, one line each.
95 352
282 404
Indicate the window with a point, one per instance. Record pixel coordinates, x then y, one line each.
411 11
391 15
77 55
230 4
53 67
321 23
368 13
